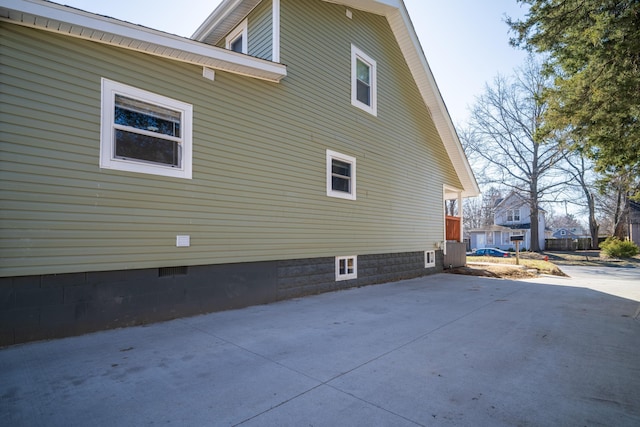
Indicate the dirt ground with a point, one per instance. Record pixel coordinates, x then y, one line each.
534 264
497 271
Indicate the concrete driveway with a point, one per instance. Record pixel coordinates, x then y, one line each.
445 350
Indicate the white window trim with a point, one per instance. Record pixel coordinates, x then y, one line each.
344 158
489 238
354 275
275 53
429 259
506 238
512 213
358 54
240 30
107 147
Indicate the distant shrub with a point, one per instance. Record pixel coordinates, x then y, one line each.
616 248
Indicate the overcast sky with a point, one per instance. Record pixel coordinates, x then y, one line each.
466 41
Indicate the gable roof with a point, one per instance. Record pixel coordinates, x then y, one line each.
230 12
68 21
509 204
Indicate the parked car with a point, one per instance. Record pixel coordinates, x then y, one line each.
492 252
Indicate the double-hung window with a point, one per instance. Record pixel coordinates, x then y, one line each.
513 215
363 81
144 132
341 175
237 39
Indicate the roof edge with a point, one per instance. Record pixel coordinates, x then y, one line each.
68 21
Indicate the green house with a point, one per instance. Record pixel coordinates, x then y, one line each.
288 148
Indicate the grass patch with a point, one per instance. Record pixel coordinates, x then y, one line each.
591 258
543 263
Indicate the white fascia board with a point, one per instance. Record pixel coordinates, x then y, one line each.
77 23
223 19
380 7
410 45
219 14
401 25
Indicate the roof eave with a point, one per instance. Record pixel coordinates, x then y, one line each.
401 25
80 24
412 49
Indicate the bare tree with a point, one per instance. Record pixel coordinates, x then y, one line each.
616 187
563 221
479 211
580 169
451 207
502 140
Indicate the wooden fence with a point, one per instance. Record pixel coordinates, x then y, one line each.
453 228
568 244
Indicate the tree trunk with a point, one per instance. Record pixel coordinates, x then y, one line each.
534 245
620 218
593 223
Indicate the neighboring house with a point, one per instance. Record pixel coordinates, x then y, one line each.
288 148
569 233
634 222
512 218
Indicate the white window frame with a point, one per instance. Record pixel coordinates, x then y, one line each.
334 155
511 213
489 238
347 275
357 54
429 259
107 132
239 31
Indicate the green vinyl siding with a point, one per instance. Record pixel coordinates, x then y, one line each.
260 29
259 186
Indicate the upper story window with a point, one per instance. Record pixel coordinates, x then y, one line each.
513 215
363 81
341 175
144 132
237 39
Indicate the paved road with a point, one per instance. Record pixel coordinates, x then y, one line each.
445 350
622 282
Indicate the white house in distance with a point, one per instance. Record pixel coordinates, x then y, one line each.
512 217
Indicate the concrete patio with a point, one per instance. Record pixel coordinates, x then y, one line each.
444 350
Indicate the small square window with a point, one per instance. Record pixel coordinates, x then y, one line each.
144 132
363 81
429 259
341 175
346 268
237 39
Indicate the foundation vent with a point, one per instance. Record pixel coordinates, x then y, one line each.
172 271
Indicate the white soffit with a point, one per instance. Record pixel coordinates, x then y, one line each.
223 19
72 22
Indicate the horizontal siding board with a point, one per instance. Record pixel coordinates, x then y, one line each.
258 191
259 31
